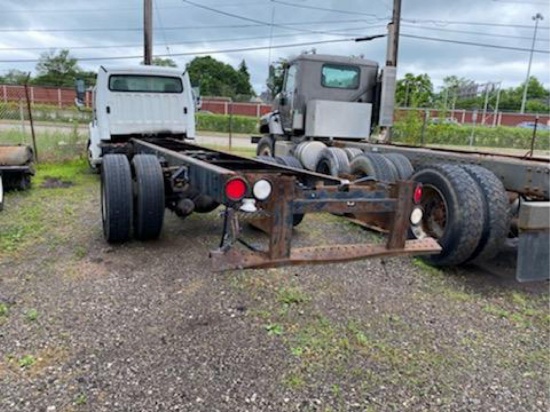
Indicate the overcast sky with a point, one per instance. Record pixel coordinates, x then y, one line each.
104 29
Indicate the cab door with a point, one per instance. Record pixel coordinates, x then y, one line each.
285 101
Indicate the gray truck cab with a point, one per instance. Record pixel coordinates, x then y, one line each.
325 96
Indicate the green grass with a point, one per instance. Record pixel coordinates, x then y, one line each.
26 361
4 310
51 146
31 315
42 215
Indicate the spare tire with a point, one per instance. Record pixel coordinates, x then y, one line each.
332 161
352 152
497 217
308 153
402 165
289 161
373 165
452 204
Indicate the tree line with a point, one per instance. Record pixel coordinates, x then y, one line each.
215 78
461 93
212 77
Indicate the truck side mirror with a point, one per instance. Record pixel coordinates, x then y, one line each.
80 89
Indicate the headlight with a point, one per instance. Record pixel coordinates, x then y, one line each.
262 189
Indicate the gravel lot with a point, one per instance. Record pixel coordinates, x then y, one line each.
149 327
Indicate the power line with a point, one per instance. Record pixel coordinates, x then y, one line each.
469 23
477 33
524 2
194 53
280 46
244 18
122 46
493 46
121 9
211 27
353 13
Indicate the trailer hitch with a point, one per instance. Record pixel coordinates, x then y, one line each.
277 223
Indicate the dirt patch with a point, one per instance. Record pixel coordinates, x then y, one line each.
55 183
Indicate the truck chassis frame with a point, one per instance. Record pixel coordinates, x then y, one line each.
294 192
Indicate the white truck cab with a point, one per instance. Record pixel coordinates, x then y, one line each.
138 101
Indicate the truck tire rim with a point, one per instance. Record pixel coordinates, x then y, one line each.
266 151
435 214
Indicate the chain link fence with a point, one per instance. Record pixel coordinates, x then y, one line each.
44 119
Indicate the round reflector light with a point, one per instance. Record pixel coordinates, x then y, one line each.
417 196
262 189
416 216
235 189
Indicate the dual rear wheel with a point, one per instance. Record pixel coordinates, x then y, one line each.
131 200
466 209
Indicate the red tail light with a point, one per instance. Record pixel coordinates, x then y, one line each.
235 189
417 196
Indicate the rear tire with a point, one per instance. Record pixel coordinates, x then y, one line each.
148 197
452 204
265 147
496 222
291 161
1 194
116 198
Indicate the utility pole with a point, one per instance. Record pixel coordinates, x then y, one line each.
536 18
393 38
147 32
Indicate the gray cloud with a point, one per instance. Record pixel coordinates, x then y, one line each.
203 30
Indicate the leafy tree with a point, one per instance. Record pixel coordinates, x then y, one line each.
56 69
244 87
159 61
14 76
414 90
216 78
275 78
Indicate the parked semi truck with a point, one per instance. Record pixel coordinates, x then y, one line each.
141 140
325 117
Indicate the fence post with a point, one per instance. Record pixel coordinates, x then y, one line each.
59 97
21 116
225 108
5 93
30 116
32 94
230 124
258 111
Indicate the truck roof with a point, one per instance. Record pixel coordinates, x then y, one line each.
141 69
335 59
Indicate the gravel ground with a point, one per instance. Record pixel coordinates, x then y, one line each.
149 327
